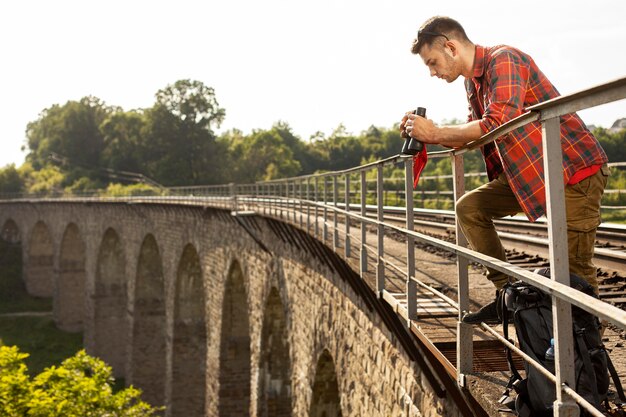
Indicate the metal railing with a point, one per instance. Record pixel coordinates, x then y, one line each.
317 202
295 200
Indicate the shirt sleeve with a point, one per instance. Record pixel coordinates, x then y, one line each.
507 78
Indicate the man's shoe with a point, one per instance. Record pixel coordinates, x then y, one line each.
487 314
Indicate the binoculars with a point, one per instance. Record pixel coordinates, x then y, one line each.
413 146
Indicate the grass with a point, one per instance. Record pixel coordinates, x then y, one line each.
35 334
39 337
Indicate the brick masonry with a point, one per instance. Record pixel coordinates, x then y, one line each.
212 318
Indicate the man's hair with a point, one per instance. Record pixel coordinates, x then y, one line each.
437 29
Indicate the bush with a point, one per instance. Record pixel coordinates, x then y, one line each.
119 190
80 387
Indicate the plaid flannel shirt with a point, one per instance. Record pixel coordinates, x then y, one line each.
506 81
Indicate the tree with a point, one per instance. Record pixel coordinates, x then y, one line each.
179 144
10 180
80 386
69 134
122 137
263 155
613 143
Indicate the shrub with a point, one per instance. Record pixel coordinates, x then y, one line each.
80 387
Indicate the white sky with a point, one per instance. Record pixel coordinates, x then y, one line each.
312 64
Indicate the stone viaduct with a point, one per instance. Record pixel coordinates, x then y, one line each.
221 315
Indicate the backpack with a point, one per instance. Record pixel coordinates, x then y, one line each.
531 309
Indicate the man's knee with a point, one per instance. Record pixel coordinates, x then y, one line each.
466 207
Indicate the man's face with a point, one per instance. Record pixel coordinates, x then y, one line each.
440 62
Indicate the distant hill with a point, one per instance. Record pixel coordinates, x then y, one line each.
618 125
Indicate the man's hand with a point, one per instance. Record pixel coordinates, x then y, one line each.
452 136
419 128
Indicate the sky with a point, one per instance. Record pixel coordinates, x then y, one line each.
312 64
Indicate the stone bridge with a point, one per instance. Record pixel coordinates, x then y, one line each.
215 314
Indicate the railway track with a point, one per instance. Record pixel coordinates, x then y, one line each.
526 245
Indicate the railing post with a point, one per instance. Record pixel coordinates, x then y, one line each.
270 198
256 194
291 200
284 210
464 334
564 406
265 191
411 285
233 196
325 198
308 205
380 232
347 207
300 196
315 210
363 224
335 197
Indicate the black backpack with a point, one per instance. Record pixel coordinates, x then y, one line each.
531 309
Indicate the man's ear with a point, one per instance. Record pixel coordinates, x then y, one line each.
450 48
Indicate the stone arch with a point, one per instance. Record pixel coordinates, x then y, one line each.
148 344
39 266
110 303
234 374
274 365
325 401
69 299
10 232
190 339
12 285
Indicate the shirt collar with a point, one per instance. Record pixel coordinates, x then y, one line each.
479 61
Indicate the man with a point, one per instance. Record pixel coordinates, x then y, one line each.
501 82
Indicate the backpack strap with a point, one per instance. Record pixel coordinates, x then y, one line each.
515 376
584 353
615 377
509 354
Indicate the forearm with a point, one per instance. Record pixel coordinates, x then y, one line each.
451 136
457 135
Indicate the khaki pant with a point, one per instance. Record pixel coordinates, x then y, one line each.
477 209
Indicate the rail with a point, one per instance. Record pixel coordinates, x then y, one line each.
315 203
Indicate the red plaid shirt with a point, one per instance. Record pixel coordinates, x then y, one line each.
506 81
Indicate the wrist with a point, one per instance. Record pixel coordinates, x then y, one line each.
436 135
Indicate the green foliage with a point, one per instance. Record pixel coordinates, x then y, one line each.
83 186
45 181
15 389
37 334
123 141
69 134
120 190
613 143
178 146
80 387
11 182
264 155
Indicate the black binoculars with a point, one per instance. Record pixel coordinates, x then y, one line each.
411 145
